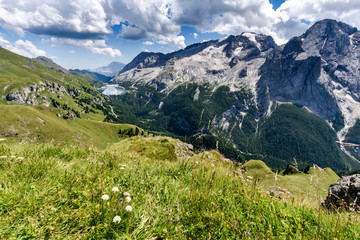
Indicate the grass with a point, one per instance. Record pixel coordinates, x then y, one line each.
39 123
309 189
52 191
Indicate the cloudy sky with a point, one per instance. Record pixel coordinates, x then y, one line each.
90 33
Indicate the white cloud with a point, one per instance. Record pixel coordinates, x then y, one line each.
25 48
71 51
149 43
195 35
29 46
161 20
96 46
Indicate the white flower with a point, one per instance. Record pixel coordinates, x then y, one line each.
122 168
20 158
126 194
105 197
212 165
3 156
1 139
249 177
128 208
116 219
128 199
115 189
197 162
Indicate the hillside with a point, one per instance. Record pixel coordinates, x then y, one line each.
76 192
42 124
41 81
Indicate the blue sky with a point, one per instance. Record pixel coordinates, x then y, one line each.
86 34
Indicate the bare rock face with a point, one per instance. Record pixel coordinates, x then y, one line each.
344 194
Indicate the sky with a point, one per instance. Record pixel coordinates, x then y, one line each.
86 34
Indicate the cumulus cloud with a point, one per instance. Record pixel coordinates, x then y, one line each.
149 43
96 46
25 48
195 35
161 20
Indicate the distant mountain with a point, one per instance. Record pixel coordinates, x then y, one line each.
94 75
261 98
109 70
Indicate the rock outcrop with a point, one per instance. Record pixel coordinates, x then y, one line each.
344 194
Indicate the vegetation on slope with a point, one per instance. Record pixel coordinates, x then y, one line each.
41 81
190 111
293 132
40 123
308 188
53 192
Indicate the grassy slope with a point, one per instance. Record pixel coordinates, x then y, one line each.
18 72
55 193
41 124
308 188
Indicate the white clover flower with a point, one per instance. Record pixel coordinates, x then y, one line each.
128 208
115 189
128 199
126 194
116 219
105 197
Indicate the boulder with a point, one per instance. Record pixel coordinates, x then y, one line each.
344 194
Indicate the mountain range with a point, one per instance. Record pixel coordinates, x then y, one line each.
109 70
233 88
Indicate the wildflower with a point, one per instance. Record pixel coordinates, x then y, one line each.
127 199
212 203
128 208
212 165
3 156
265 217
197 162
247 232
178 219
122 168
2 139
116 219
164 210
123 165
126 194
249 177
12 156
171 219
177 203
105 197
115 189
121 199
20 158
